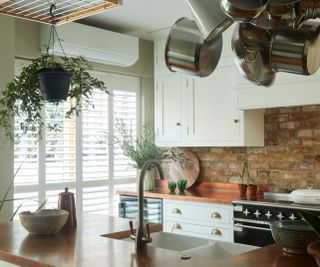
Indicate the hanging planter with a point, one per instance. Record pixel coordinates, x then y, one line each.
54 84
46 78
54 81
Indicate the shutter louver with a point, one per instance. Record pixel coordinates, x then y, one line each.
94 138
125 110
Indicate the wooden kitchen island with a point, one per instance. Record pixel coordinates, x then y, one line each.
84 246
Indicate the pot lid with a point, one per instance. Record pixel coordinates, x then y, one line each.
306 192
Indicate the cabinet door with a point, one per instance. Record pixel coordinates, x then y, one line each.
167 110
211 117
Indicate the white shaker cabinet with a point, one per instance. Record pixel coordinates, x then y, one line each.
208 220
210 114
167 110
193 111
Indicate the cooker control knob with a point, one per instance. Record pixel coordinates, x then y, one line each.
269 214
257 213
292 217
280 216
246 212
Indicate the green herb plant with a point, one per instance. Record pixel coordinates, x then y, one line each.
143 148
22 96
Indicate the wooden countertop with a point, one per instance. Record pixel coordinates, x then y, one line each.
202 191
84 246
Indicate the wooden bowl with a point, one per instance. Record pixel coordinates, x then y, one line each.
44 222
293 236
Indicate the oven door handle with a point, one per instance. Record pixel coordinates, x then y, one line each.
240 225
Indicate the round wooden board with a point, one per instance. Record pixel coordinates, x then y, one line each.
176 172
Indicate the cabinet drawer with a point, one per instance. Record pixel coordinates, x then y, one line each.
216 233
198 211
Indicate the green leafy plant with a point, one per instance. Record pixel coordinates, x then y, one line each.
142 149
22 96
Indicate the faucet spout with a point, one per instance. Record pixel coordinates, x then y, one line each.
141 239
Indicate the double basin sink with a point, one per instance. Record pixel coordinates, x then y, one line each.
197 246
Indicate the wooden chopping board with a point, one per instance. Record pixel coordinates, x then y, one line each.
191 173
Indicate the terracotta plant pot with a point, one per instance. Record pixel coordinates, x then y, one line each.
242 190
252 190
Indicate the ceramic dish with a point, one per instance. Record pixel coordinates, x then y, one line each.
293 236
44 222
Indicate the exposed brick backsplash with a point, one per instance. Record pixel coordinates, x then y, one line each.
290 158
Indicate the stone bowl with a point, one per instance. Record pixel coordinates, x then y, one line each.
293 236
44 222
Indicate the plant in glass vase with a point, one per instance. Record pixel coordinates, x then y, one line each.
141 149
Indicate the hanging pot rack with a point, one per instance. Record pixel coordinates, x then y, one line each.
66 11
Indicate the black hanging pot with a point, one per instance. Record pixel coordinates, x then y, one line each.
54 84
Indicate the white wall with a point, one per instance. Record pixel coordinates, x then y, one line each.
6 74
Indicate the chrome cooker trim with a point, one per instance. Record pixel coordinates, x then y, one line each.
235 220
277 205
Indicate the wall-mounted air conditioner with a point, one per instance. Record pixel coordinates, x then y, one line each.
96 45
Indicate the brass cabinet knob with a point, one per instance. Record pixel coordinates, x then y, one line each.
236 121
176 226
216 232
216 215
176 211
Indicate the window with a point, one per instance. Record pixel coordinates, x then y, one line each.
79 156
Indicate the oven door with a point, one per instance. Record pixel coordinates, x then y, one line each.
252 233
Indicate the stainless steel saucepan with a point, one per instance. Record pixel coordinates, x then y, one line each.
211 20
251 47
243 10
279 14
187 51
297 51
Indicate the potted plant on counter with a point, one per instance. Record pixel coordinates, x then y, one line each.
246 183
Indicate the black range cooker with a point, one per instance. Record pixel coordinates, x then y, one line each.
252 217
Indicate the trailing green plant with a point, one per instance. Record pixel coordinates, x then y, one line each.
143 148
22 96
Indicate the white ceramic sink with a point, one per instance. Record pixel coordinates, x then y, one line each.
220 250
197 246
176 242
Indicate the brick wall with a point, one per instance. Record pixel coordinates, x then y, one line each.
289 160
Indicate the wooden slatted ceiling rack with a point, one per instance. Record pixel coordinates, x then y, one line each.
66 10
